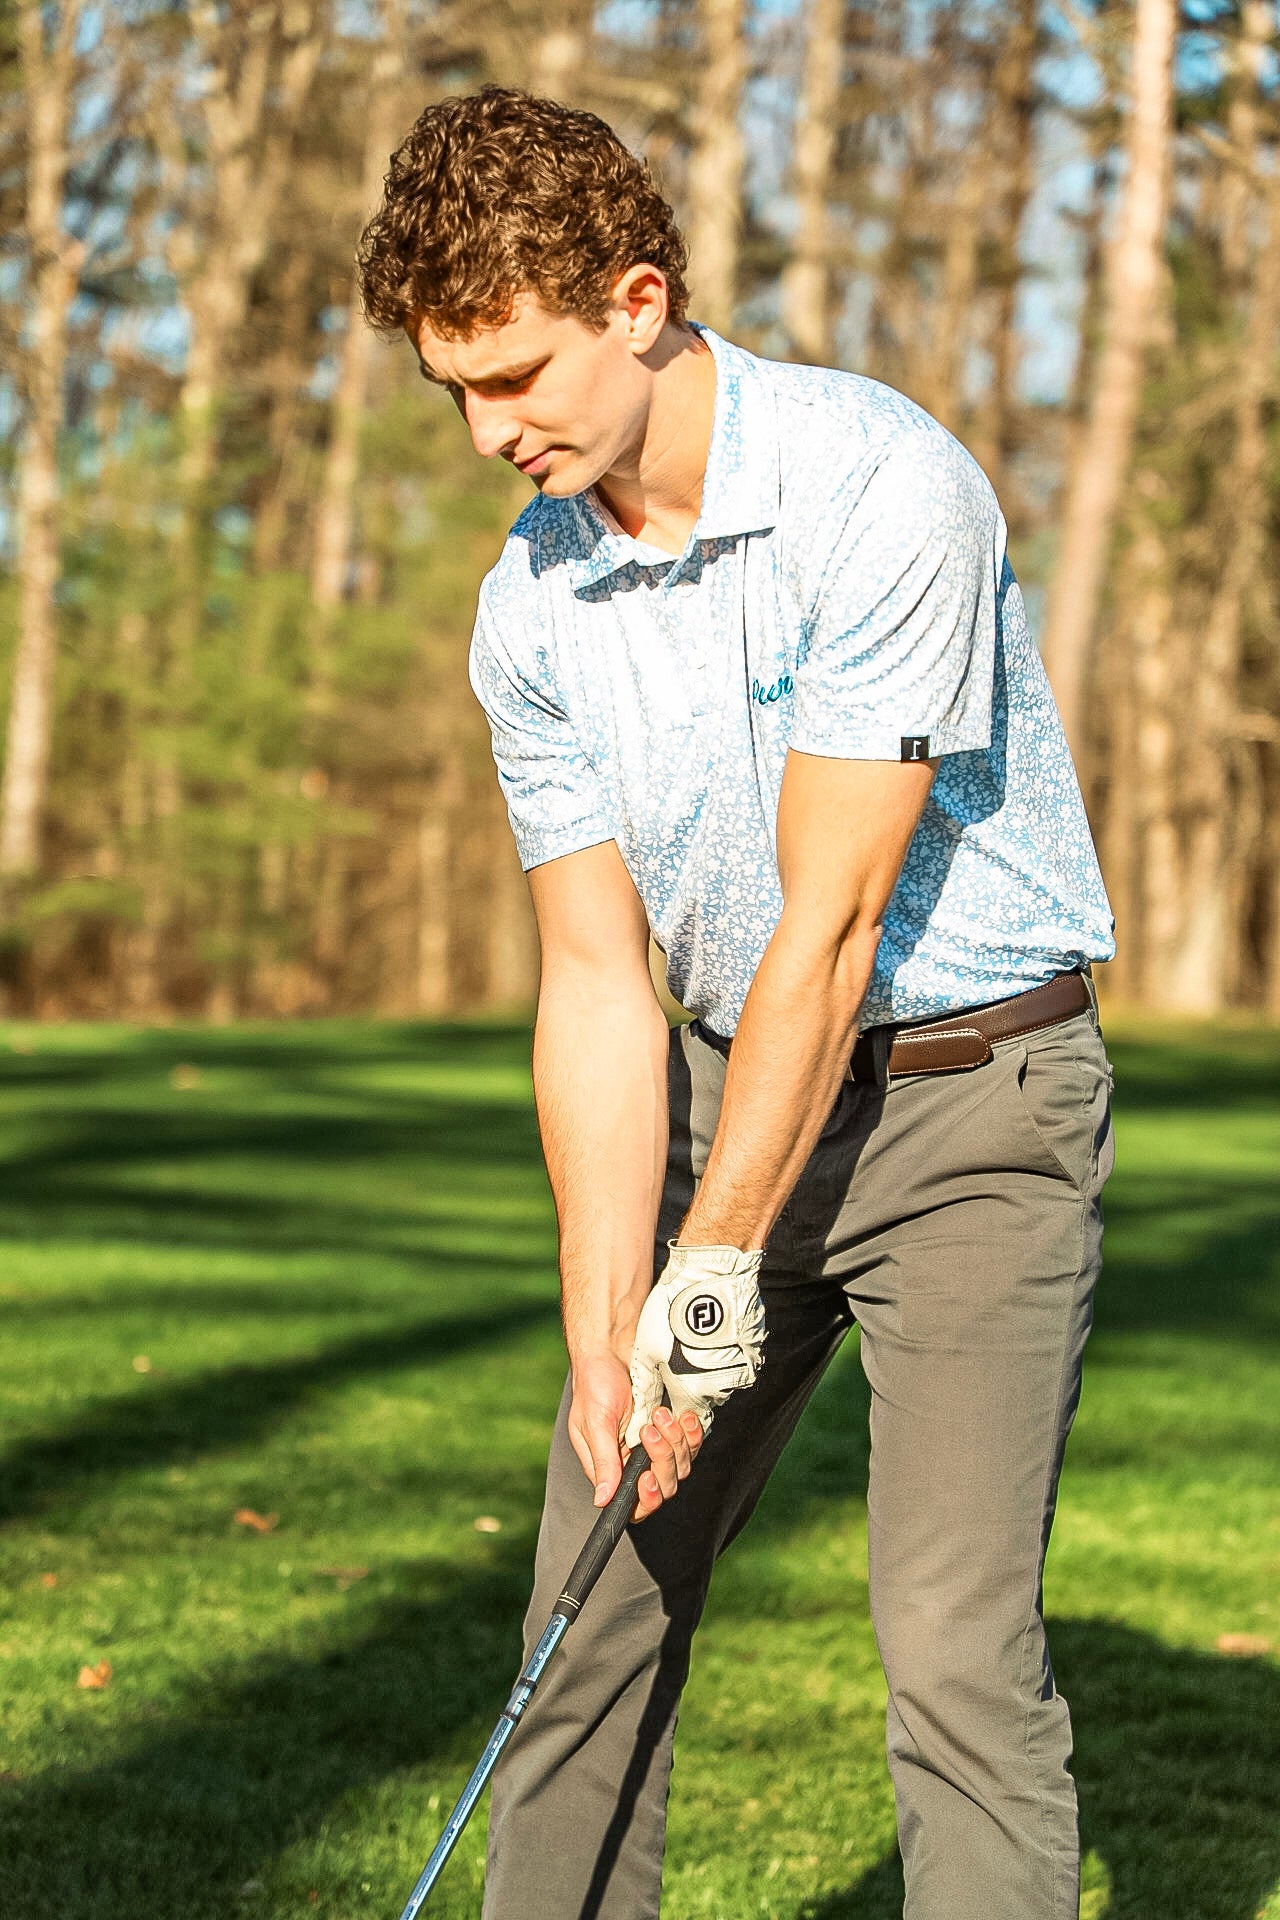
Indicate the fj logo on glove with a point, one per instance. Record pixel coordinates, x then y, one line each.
704 1314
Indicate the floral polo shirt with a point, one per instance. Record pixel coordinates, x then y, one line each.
845 592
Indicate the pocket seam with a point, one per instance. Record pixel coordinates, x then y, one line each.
1024 1061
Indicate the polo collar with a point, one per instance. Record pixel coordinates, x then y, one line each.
739 491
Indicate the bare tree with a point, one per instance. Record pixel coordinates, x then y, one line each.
806 279
48 68
335 511
716 163
1012 153
1133 280
1201 962
258 64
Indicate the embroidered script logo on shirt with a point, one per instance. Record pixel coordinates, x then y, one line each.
765 696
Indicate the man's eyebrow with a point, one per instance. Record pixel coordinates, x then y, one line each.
503 377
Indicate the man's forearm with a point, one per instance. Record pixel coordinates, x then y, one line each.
601 1090
790 1052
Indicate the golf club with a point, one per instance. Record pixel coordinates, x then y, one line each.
588 1567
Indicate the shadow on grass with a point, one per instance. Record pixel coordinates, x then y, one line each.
1178 1756
233 1406
1178 1752
1197 1070
307 1048
1177 1764
172 1826
85 1162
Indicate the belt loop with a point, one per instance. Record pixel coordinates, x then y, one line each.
1086 974
881 1040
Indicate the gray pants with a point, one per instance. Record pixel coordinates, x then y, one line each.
956 1218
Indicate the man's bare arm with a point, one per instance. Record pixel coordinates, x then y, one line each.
600 1081
844 827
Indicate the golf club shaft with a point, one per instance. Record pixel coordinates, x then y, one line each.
590 1564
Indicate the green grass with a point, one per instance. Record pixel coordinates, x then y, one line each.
335 1250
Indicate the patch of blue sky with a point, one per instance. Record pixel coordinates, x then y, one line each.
165 332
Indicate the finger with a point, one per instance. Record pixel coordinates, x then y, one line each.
605 1470
582 1447
673 1431
662 1459
670 1453
648 1496
694 1431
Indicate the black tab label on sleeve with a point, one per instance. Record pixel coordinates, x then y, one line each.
915 746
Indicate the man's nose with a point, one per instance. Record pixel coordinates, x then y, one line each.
492 428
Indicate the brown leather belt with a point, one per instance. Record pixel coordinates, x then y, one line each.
964 1039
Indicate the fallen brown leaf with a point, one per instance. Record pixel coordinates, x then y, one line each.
48 1579
185 1078
344 1576
256 1522
485 1523
141 1363
10 1779
1244 1645
93 1679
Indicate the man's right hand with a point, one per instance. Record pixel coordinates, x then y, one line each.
600 1410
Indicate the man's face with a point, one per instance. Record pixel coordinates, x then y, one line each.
565 404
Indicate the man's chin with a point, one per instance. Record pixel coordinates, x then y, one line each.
559 486
564 478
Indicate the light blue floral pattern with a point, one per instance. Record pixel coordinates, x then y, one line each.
845 590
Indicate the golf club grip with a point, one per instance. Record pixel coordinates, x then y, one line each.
604 1536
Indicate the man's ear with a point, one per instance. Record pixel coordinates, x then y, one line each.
641 294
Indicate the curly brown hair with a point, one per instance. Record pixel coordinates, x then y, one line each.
498 193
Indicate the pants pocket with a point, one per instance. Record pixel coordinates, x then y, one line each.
1063 1089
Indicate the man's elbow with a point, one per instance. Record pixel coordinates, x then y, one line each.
833 951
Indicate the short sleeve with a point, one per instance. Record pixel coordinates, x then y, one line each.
900 653
554 799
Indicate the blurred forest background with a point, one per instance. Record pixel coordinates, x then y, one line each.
240 540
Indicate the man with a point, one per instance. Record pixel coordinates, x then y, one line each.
760 683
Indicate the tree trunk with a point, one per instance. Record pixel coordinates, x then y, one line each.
716 164
251 124
435 992
513 941
1206 966
953 307
1119 839
1014 137
1151 643
335 515
806 279
55 258
288 374
1133 285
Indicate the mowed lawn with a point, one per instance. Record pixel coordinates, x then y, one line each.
306 1275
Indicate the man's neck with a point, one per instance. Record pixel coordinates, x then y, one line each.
656 493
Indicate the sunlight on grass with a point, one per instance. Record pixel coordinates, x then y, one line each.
332 1249
1095 1887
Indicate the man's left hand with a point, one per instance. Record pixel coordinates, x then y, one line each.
700 1335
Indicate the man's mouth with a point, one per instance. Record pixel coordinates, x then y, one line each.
537 465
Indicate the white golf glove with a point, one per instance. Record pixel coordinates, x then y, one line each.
700 1334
